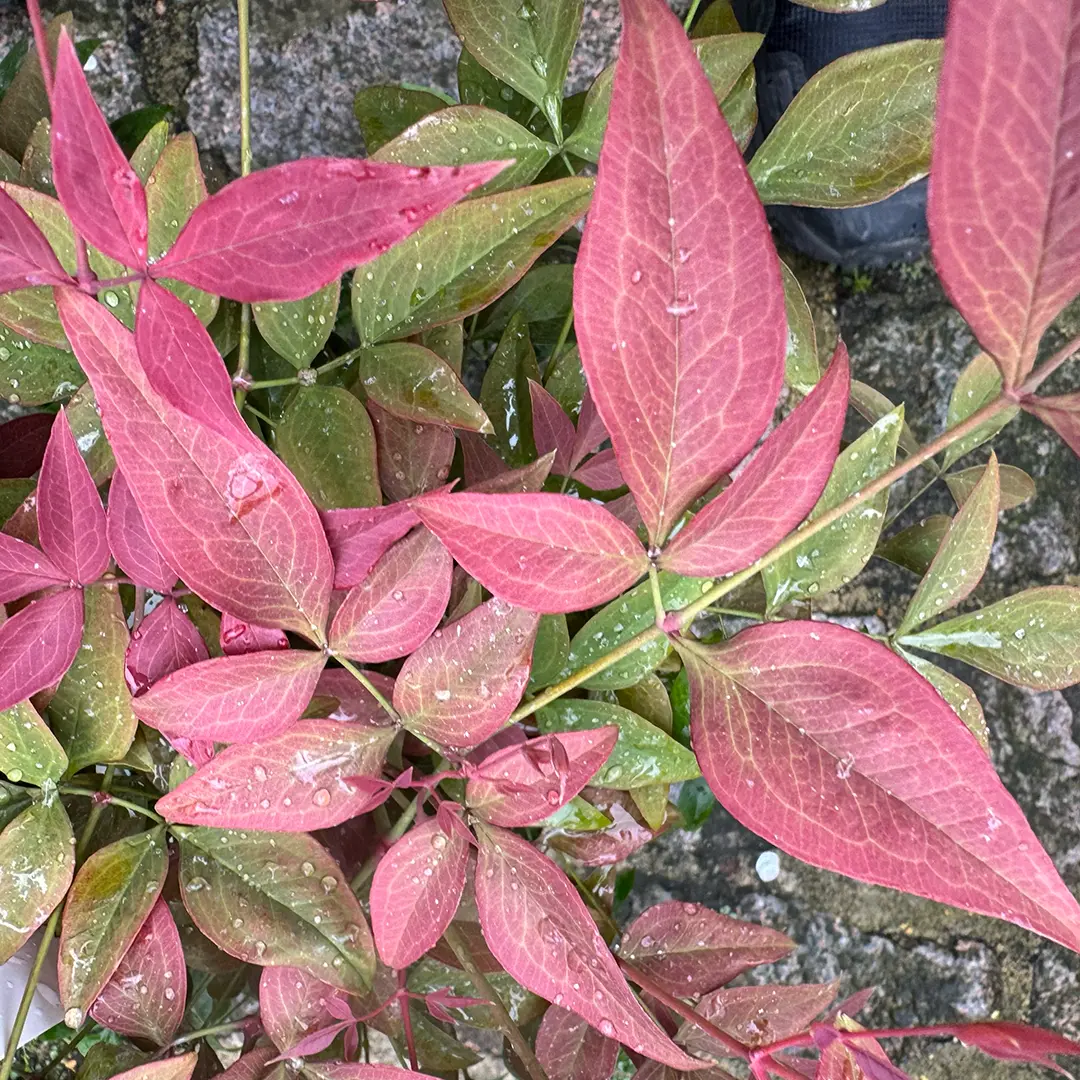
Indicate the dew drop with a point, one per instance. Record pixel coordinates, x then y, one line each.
321 797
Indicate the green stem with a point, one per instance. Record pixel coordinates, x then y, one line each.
67 1048
269 384
92 820
340 361
243 352
657 598
202 1033
114 800
912 501
564 333
396 832
369 686
689 20
259 415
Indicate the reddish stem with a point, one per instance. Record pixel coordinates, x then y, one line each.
406 1023
41 45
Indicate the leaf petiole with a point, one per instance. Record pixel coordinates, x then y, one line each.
369 686
107 798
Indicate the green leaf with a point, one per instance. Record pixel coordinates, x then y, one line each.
872 405
276 899
414 383
12 494
1031 639
384 112
85 422
462 260
31 373
801 367
565 381
577 816
643 754
836 554
504 393
652 803
695 802
1016 486
649 699
625 617
298 329
109 901
464 134
543 296
447 342
90 713
680 708
35 170
859 129
13 801
430 976
978 384
37 860
25 102
914 548
133 127
740 108
477 86
108 1059
326 439
29 752
718 18
959 696
148 150
526 45
13 58
550 650
961 558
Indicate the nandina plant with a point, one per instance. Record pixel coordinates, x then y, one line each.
334 696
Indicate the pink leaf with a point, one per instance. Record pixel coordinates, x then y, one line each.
590 430
553 430
354 703
293 1003
347 1070
601 472
462 684
24 569
177 1068
164 642
71 519
359 536
835 749
539 929
546 552
145 997
38 644
99 189
252 1066
233 698
416 891
523 784
678 301
297 781
688 949
526 480
134 551
26 258
282 233
1004 207
480 461
569 1049
397 606
1061 413
875 1068
1014 1042
774 492
237 637
231 519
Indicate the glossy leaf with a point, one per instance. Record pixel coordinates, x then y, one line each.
505 393
569 1049
26 259
359 537
293 1003
29 751
298 910
905 795
914 548
236 637
384 112
298 329
774 492
37 645
1004 200
283 232
1028 639
549 553
872 405
959 696
413 458
684 388
461 685
25 101
977 385
110 900
397 606
801 367
553 430
24 569
130 542
1017 487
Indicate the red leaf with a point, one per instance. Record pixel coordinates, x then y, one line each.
398 605
177 1068
293 1003
1014 1042
462 684
523 784
569 1049
413 458
831 746
236 637
626 834
688 949
875 1068
354 703
71 519
590 430
416 890
145 997
1004 207
549 553
297 781
539 929
26 257
526 480
252 1066
553 430
38 644
232 519
678 301
348 1070
233 698
601 472
479 460
24 569
99 189
775 491
359 536
284 232
1061 413
164 642
129 540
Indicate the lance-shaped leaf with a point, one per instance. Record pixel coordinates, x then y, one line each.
110 900
26 259
689 949
231 519
298 781
504 392
553 430
71 519
889 787
37 861
549 553
360 536
977 385
236 637
677 291
283 232
398 605
962 555
384 112
462 684
1008 1041
413 458
1029 639
1004 205
801 368
775 491
1061 413
145 997
521 785
859 129
1017 487
298 329
29 751
24 569
569 1049
37 645
539 929
130 543
416 890
348 1070
293 1003
960 697
914 548
297 908
550 651
177 1068
100 191
233 698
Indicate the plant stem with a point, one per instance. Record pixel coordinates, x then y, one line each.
406 1022
259 415
243 350
689 20
340 361
912 501
657 598
369 686
452 937
1037 378
140 607
564 333
67 1048
115 800
396 832
92 819
269 384
41 45
202 1033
